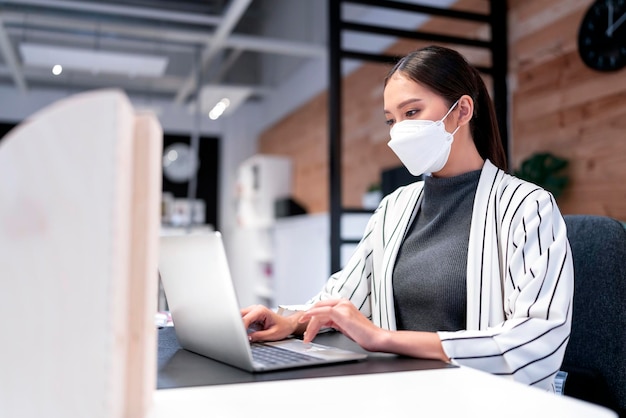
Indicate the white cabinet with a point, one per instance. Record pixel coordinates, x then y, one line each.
302 254
261 180
302 257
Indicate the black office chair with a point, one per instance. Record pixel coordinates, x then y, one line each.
595 359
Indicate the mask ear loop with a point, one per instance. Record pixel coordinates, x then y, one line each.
449 110
446 115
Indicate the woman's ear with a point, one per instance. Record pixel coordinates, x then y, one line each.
466 109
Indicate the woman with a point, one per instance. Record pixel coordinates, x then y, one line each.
471 265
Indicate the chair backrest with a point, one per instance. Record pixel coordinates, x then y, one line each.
596 354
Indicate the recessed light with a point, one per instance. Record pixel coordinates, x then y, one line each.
57 69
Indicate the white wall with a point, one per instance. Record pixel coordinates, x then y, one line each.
238 143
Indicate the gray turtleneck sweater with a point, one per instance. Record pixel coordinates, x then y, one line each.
429 279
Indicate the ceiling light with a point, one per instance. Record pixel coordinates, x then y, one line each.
94 61
222 100
219 108
57 69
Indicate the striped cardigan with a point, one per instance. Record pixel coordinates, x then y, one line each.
519 277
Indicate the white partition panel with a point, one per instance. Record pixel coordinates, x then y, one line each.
69 241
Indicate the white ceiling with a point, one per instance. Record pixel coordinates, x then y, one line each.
151 48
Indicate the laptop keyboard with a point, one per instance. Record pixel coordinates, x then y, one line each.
270 355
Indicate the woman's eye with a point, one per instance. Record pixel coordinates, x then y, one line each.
411 113
389 122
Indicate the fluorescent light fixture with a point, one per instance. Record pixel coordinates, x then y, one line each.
219 108
218 100
94 61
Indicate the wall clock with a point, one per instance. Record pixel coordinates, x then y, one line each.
179 162
602 35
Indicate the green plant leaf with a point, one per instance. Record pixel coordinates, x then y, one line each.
544 169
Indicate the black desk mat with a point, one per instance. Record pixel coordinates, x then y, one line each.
178 367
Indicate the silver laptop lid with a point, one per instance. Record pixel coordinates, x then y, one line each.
201 298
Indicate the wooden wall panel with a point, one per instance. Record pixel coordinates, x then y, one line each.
303 136
563 107
557 105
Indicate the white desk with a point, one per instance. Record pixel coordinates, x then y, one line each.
454 392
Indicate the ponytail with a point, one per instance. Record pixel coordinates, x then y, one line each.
484 126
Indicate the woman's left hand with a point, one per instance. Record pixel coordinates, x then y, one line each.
342 315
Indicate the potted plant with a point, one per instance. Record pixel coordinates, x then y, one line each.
545 170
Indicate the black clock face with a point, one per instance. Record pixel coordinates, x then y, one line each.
602 35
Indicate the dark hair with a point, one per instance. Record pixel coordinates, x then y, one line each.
448 74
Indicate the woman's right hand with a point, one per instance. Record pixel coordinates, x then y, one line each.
267 325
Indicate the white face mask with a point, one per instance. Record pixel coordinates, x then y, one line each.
423 146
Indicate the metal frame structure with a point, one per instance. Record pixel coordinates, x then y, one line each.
497 45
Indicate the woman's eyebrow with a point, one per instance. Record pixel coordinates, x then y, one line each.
404 103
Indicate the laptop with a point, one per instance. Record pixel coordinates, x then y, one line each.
207 320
